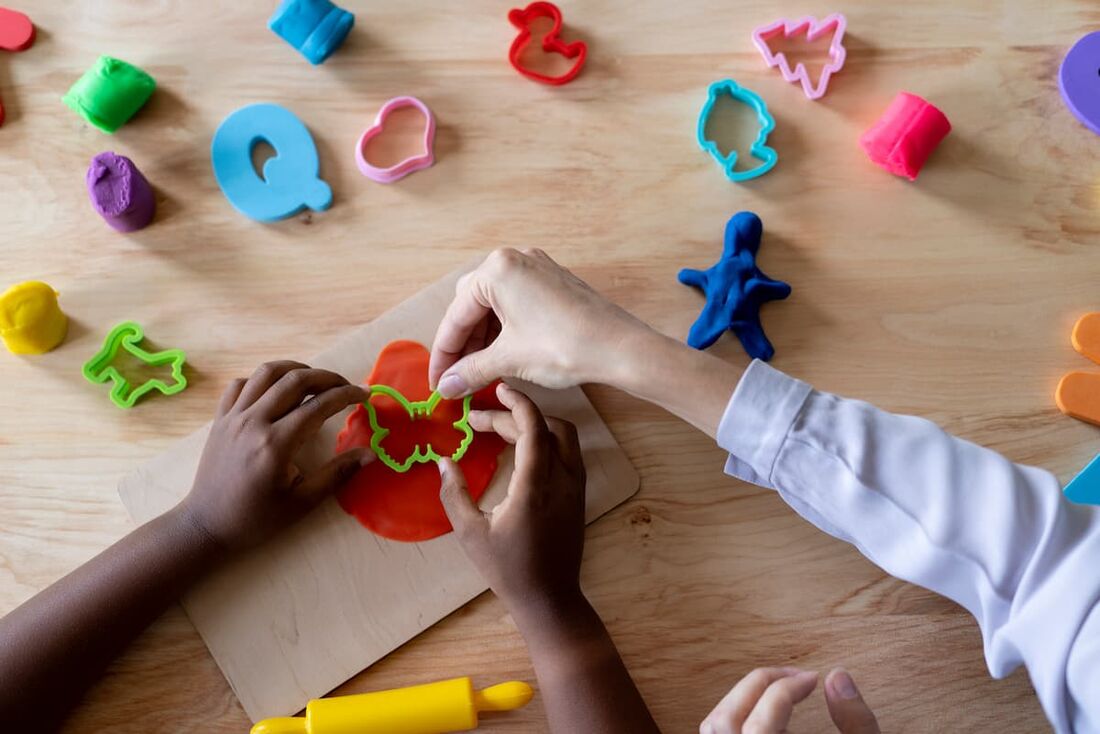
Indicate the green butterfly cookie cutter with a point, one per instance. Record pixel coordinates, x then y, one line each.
124 394
423 408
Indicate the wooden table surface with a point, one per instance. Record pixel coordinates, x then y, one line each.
951 298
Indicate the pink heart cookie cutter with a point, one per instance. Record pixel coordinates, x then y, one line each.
814 30
412 164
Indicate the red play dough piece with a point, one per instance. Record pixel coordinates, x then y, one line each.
16 30
406 506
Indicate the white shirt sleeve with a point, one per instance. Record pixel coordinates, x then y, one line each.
934 510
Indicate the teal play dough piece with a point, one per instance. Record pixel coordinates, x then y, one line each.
291 180
1085 487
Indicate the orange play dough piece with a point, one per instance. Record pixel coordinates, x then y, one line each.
1078 396
1086 336
406 506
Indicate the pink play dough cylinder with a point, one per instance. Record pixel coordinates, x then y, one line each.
906 134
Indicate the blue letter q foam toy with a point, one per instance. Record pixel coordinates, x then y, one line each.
291 180
767 156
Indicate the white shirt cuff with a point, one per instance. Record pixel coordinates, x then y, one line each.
758 419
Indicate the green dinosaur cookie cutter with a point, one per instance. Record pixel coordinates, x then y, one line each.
127 336
423 408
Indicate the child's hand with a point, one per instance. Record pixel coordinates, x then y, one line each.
247 485
529 549
763 701
520 314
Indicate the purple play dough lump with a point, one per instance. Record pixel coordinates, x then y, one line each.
119 193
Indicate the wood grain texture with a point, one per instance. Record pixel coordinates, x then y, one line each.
300 615
952 298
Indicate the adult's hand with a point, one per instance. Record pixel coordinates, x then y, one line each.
763 701
520 314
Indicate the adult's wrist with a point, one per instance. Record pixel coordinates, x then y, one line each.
629 360
689 383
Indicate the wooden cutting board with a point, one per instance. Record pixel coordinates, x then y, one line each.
299 616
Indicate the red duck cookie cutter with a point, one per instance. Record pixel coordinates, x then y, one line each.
551 43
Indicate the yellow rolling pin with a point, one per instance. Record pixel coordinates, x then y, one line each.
434 708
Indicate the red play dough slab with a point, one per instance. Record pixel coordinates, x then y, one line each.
16 30
406 506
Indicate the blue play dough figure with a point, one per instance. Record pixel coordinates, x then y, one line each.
315 27
735 289
1085 487
291 179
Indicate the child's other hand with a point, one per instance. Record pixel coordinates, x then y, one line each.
529 548
762 703
520 314
247 486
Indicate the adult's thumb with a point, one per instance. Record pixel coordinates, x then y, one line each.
471 373
326 479
846 706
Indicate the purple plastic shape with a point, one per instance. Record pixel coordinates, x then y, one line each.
1079 80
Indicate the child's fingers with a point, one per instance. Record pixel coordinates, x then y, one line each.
731 712
229 396
568 443
307 419
532 441
470 525
846 706
329 477
499 422
527 416
773 711
292 388
266 375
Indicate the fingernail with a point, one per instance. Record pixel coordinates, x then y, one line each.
843 685
452 386
366 458
442 466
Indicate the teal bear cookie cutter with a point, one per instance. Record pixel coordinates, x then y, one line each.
291 179
767 156
423 408
127 336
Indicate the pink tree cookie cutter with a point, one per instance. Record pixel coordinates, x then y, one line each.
412 164
814 29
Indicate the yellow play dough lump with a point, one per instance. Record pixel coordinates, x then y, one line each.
31 322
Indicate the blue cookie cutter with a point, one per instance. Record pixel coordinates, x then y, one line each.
291 180
1084 489
766 155
315 27
735 289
